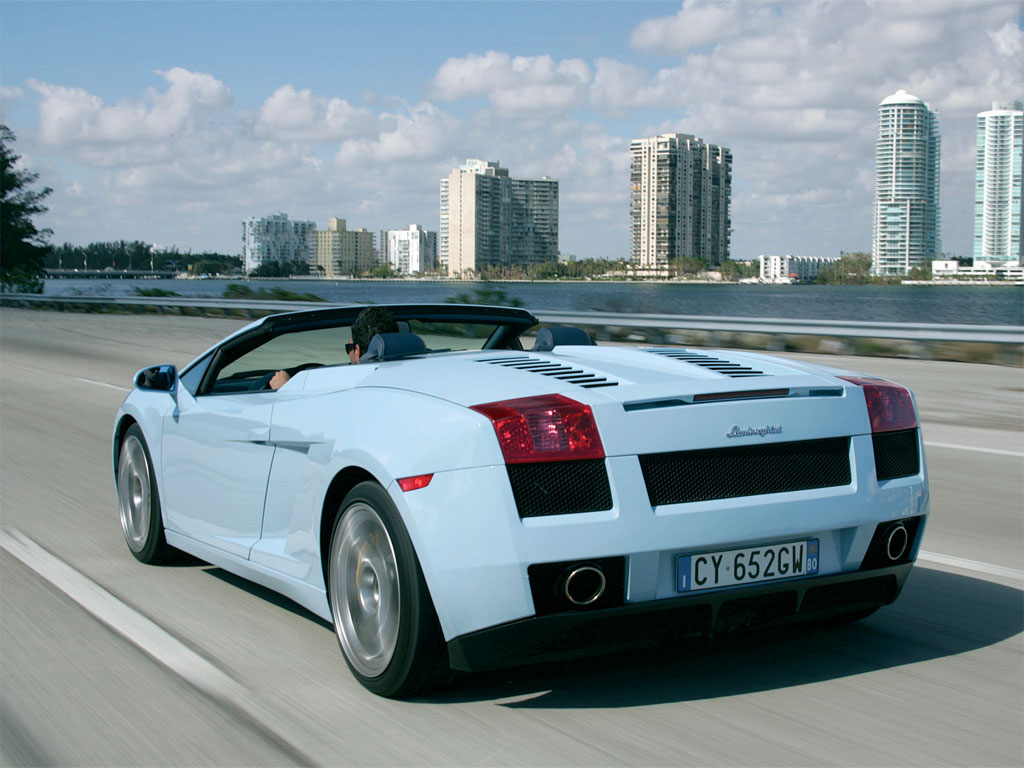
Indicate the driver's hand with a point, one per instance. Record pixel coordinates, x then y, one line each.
279 380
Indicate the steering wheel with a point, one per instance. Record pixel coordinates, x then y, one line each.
303 367
263 382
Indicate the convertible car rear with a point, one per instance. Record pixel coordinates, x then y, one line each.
485 493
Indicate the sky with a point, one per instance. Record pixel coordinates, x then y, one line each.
171 122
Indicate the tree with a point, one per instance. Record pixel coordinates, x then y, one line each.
920 272
23 246
275 268
738 270
851 269
687 265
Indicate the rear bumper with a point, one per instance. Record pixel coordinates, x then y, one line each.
584 633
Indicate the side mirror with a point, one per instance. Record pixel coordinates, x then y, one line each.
160 378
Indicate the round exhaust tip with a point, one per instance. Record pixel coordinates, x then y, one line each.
896 542
584 585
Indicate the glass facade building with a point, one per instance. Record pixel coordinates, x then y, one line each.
998 202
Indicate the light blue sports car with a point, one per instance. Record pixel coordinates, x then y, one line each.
484 493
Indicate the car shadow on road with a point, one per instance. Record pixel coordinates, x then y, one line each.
939 614
264 593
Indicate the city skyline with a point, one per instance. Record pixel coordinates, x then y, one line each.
198 116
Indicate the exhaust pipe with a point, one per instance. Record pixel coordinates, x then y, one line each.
584 585
896 541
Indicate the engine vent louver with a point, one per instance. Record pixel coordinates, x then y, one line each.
724 367
552 368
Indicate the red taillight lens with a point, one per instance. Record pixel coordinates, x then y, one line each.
544 428
890 406
415 483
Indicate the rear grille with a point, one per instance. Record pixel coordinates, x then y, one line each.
724 367
560 487
896 454
554 369
749 470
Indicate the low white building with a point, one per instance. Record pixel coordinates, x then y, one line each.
409 251
793 269
983 270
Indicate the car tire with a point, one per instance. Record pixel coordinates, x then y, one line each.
138 501
383 615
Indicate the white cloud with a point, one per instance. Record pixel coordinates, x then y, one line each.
11 92
421 132
527 86
298 115
695 25
73 115
1008 40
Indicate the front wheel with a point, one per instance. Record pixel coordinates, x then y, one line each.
383 615
139 502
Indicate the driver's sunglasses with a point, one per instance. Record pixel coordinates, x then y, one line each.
350 347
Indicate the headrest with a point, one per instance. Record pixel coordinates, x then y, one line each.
560 336
389 346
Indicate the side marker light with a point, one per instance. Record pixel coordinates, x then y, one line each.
415 483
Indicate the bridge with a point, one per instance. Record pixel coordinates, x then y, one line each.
107 274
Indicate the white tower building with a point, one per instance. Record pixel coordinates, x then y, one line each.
905 230
409 251
998 198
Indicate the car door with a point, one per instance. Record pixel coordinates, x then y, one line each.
216 460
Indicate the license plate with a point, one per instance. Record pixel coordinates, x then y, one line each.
746 566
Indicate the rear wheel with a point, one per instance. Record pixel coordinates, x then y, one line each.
139 502
383 616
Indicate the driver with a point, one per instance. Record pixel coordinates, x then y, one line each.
368 323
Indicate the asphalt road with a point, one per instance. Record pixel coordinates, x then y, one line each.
104 661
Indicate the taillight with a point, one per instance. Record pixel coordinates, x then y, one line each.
544 428
890 406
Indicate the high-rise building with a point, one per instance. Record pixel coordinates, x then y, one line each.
680 191
491 219
409 251
998 198
338 251
905 230
275 238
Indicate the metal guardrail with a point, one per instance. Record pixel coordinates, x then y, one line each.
921 332
999 344
992 334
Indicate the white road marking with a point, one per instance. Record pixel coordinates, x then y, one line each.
971 565
999 451
101 384
155 641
